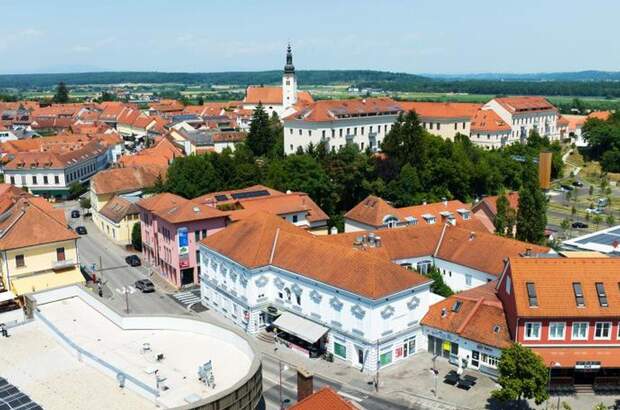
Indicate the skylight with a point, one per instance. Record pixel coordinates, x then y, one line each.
531 294
579 298
602 296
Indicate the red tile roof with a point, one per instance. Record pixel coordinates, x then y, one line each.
441 110
324 399
491 202
161 154
331 110
124 180
600 115
488 121
265 239
553 279
525 104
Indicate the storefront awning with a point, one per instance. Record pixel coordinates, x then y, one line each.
300 327
580 357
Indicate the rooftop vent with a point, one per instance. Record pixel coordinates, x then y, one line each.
196 209
444 312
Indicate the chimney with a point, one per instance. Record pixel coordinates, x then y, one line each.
304 383
378 241
445 201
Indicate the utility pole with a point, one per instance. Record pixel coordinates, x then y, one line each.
377 372
126 299
100 268
280 367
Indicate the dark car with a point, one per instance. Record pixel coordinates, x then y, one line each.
144 285
579 225
75 213
578 183
133 260
567 187
81 230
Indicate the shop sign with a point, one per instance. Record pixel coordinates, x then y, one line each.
587 365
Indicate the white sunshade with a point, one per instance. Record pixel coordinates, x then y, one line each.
300 327
8 295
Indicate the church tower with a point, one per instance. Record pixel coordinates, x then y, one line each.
289 81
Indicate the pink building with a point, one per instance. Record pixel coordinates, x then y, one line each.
171 228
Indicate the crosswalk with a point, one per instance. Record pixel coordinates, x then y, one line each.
188 298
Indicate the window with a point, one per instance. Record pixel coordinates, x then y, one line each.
300 131
531 294
295 218
45 180
323 134
556 330
196 236
340 132
579 299
385 358
204 233
508 285
34 180
602 296
424 267
438 126
468 279
455 126
580 331
12 180
602 330
532 330
340 350
309 133
298 298
60 254
333 133
19 261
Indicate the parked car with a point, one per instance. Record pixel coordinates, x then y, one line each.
567 187
578 183
602 202
580 225
133 260
144 285
594 211
81 230
75 213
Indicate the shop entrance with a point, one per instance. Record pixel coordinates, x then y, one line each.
187 276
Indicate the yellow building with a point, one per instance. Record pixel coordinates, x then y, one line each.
37 250
112 193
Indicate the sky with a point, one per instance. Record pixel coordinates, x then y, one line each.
414 36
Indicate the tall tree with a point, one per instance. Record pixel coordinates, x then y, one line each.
61 96
532 212
136 237
192 176
261 138
405 143
522 375
501 216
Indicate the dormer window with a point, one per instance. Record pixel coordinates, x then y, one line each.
456 307
411 220
429 218
531 294
579 298
602 296
465 213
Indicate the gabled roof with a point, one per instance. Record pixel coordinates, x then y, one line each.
491 202
553 280
265 239
118 208
600 115
324 399
523 104
441 110
161 201
124 180
161 154
488 121
176 209
33 221
263 95
331 110
476 314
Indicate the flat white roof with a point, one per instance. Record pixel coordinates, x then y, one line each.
183 351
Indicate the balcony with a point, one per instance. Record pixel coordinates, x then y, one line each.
63 265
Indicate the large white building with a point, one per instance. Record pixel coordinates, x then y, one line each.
525 114
282 100
320 296
336 123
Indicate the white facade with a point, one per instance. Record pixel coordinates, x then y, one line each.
522 123
493 140
360 329
365 132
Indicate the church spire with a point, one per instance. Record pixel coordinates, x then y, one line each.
289 68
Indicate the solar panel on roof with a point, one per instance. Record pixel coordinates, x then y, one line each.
221 198
615 231
13 399
601 239
250 194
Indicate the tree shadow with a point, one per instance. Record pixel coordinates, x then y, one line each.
494 404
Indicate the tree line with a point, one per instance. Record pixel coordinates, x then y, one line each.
603 141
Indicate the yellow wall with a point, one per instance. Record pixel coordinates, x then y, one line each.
119 233
37 273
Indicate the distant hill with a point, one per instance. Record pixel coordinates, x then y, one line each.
590 75
319 77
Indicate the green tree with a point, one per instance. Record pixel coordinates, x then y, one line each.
201 100
76 189
260 139
573 211
61 96
405 190
501 223
136 237
405 143
522 375
591 190
610 220
597 219
85 203
439 287
565 225
531 215
192 176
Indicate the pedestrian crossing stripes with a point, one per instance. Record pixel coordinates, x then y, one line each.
187 298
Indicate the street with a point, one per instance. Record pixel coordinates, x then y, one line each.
95 248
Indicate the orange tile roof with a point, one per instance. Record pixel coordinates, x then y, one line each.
441 110
187 211
265 239
58 157
57 143
161 201
33 221
567 357
480 318
331 110
123 180
575 121
118 208
488 121
161 154
521 104
491 202
324 399
373 210
600 115
263 95
553 279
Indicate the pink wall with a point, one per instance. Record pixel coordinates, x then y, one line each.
166 249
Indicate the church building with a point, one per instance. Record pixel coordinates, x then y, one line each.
283 100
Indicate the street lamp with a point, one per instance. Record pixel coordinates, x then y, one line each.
126 290
551 366
280 368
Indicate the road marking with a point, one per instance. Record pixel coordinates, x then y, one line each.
350 397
